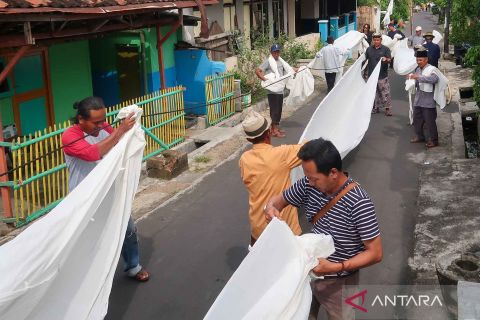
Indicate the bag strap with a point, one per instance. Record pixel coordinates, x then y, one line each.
333 201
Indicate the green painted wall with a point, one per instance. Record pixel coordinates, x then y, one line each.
6 109
168 47
71 77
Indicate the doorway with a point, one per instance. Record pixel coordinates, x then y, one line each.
129 71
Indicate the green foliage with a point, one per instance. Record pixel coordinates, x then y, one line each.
472 59
367 3
465 22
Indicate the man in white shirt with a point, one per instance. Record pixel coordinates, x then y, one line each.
331 59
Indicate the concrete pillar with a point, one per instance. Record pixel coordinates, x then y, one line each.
239 14
270 18
354 15
323 29
334 27
347 20
291 19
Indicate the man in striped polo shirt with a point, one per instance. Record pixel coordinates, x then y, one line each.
350 220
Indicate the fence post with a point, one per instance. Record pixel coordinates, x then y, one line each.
323 29
334 27
347 22
5 191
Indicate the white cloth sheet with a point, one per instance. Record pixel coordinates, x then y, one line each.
302 87
352 41
388 13
439 94
273 282
275 82
344 114
438 37
405 61
62 266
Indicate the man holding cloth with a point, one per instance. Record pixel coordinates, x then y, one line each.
375 53
424 105
273 68
265 171
335 205
331 60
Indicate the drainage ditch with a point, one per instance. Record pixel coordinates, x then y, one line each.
470 124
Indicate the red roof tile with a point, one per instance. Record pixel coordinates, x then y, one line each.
74 3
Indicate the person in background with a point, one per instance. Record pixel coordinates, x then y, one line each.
85 143
275 100
433 49
368 33
392 32
375 53
331 59
424 105
417 38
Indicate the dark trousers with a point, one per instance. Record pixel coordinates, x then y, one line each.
330 293
275 101
330 77
425 116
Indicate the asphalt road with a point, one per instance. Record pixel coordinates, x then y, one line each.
193 245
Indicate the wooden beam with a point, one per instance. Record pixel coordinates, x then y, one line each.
171 31
5 191
11 64
100 25
161 67
160 41
19 40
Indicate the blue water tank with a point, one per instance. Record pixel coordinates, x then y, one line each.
192 66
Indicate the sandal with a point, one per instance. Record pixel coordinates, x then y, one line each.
388 112
375 110
141 276
431 144
417 140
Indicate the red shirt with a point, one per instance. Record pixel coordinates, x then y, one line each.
76 146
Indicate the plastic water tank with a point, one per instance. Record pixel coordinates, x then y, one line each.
192 66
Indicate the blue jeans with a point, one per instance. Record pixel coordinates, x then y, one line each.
130 250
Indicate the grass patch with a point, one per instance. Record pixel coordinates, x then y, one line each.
201 159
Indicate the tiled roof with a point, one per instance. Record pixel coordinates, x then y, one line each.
74 3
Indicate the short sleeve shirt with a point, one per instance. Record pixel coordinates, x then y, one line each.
81 152
374 55
265 67
350 221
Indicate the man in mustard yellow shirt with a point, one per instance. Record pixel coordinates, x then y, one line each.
265 171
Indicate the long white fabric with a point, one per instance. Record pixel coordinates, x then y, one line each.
352 41
405 61
62 266
273 281
388 13
301 87
439 92
344 114
438 37
275 82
